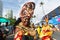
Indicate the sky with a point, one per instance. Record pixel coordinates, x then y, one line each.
16 6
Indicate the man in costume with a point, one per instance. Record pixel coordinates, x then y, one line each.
47 30
23 29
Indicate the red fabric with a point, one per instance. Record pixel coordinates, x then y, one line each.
19 35
46 37
44 30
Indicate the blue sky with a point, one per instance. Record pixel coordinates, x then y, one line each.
11 4
16 6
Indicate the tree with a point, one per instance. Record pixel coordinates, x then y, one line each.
12 21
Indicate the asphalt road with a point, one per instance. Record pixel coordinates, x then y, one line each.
56 35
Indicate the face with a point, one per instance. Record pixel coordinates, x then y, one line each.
25 21
26 12
30 12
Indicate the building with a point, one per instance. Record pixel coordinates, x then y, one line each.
53 13
1 8
9 13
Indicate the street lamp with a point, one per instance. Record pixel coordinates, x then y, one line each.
46 16
42 7
41 4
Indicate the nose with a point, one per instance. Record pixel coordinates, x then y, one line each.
29 15
26 20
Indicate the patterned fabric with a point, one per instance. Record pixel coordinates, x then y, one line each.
19 35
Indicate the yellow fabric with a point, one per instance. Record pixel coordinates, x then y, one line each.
42 34
38 30
26 33
49 33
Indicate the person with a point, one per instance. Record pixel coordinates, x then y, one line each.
6 30
38 30
46 31
1 35
23 29
0 24
16 23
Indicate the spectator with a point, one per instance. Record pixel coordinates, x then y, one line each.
1 35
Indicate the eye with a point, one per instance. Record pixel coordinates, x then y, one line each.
24 13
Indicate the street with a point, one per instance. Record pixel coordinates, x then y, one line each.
56 35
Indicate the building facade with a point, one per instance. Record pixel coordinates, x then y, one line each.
9 13
1 8
53 13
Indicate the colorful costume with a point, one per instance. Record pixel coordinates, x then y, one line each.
18 35
26 14
24 33
46 32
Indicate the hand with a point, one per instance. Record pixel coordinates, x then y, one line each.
7 29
